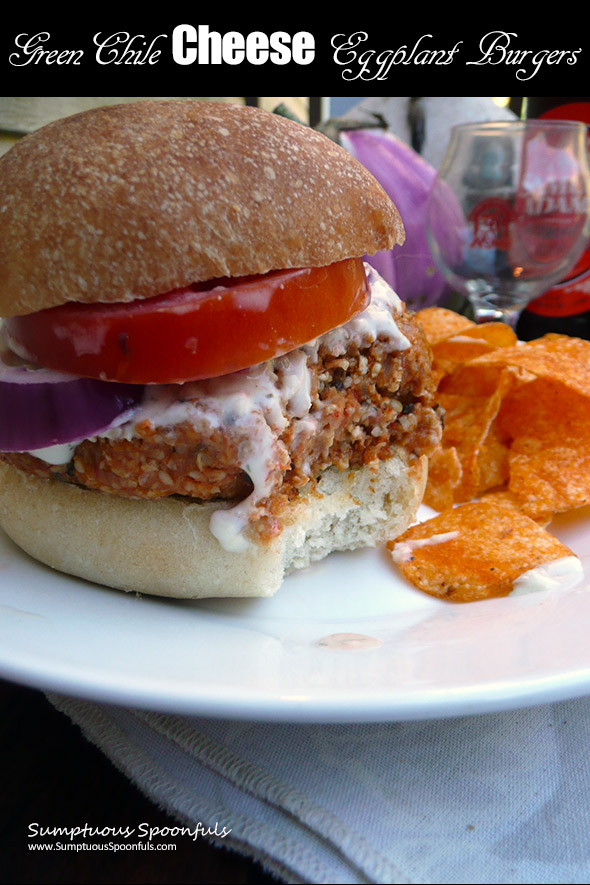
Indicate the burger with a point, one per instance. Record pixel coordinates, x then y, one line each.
203 384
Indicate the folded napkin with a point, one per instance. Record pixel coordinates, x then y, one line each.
502 797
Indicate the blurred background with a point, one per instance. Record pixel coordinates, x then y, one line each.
21 115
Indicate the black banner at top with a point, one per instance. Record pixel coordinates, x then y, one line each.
157 55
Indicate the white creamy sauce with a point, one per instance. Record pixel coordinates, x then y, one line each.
563 574
464 339
403 551
258 403
295 381
59 454
377 321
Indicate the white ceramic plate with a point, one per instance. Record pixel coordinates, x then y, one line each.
285 658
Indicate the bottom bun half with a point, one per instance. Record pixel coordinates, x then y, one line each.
165 547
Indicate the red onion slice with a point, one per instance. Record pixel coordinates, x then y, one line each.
41 407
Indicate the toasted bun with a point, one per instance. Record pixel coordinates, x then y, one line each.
165 548
134 200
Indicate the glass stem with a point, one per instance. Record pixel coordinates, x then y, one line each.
484 312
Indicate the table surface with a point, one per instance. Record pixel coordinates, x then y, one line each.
53 776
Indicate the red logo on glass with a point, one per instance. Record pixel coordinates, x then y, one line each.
491 224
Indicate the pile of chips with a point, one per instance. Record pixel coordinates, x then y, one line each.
516 443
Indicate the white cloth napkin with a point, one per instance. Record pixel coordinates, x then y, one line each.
503 797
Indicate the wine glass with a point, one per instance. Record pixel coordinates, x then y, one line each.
509 211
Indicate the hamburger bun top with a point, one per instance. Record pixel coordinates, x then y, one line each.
133 200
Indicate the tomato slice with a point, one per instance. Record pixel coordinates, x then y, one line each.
201 331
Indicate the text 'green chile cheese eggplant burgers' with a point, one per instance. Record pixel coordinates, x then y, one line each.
203 384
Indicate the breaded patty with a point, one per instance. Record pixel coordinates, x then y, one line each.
363 403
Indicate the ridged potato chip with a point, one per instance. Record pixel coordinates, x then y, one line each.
474 551
516 417
439 323
515 451
549 458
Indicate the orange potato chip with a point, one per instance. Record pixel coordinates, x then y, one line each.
452 352
482 376
454 339
505 497
514 415
532 434
549 459
547 409
467 428
444 475
493 460
474 341
517 437
495 334
474 551
554 356
439 322
548 484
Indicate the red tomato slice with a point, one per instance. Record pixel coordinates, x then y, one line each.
198 332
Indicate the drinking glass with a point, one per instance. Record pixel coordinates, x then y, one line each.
509 211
